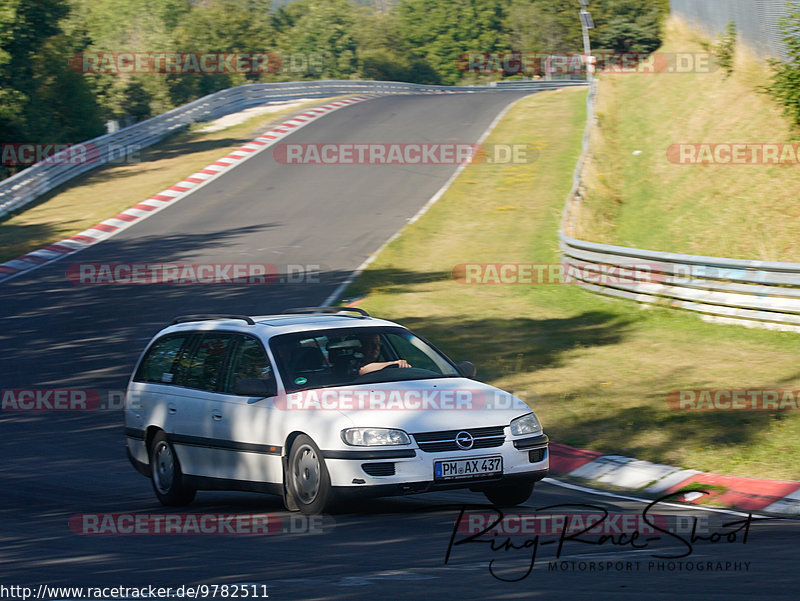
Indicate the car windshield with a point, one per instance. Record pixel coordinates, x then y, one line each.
339 357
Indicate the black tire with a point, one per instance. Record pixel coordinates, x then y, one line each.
509 494
166 474
308 480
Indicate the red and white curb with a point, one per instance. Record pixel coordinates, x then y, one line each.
157 202
750 494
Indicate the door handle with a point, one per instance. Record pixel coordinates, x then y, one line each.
172 409
217 416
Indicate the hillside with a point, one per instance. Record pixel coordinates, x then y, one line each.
649 181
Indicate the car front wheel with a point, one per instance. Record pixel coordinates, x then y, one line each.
509 494
309 481
166 474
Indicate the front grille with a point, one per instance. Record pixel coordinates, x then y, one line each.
385 468
437 442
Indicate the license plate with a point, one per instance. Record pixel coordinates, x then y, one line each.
477 467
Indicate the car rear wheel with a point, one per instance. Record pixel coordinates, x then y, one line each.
509 494
309 481
166 474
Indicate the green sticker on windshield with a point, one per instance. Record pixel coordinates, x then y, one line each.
300 381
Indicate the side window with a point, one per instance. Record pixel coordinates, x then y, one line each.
416 357
248 361
159 365
205 367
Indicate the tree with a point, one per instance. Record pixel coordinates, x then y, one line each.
41 99
317 37
550 26
117 26
442 32
384 55
227 27
628 25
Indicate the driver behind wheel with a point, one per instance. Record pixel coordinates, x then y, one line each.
371 350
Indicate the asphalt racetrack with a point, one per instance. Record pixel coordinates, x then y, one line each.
57 466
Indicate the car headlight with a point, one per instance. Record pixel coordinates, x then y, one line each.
527 424
371 437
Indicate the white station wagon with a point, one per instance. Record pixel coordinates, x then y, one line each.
318 404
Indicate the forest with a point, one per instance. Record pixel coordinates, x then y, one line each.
68 67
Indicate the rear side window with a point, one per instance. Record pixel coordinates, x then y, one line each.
206 365
160 363
248 360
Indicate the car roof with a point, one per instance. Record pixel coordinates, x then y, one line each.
268 326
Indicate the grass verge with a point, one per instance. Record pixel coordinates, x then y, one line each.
646 200
104 192
596 370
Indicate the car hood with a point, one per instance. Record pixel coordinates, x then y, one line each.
417 405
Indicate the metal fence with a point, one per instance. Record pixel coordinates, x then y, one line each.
29 184
757 21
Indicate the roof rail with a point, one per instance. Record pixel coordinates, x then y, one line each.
325 310
186 318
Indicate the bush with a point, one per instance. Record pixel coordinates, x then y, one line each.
785 85
725 48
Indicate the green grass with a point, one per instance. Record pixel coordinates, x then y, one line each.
105 191
596 370
647 201
701 487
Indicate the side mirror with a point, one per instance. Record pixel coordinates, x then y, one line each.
466 369
253 387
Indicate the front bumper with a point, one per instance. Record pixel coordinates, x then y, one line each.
414 488
410 471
